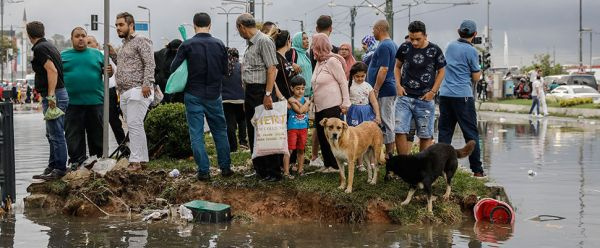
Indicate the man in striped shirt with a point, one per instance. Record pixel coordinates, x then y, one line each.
258 74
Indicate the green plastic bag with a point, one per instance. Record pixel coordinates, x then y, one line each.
53 113
178 78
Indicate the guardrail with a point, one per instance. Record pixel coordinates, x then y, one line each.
7 153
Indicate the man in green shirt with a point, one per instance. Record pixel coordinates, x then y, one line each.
83 71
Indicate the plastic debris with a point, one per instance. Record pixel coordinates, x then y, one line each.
531 173
592 123
496 140
502 119
502 130
153 216
103 166
174 173
185 213
545 217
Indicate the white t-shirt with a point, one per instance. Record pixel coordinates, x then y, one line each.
359 93
533 76
536 88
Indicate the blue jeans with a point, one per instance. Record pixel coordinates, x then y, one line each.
195 110
423 112
55 132
535 104
460 110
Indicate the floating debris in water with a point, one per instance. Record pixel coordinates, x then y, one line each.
496 140
502 130
545 217
592 123
531 173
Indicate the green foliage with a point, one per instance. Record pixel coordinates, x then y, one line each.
59 187
544 62
575 101
167 125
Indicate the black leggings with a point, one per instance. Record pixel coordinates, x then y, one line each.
328 158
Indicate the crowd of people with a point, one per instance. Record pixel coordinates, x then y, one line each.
392 84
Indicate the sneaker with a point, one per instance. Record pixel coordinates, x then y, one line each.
226 173
47 171
203 177
54 175
74 166
317 162
479 175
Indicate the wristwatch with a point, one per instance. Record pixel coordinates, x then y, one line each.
268 93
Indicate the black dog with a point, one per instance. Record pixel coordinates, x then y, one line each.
424 168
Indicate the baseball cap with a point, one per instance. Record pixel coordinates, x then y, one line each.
468 27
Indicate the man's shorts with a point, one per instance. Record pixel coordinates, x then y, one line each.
422 111
297 139
386 109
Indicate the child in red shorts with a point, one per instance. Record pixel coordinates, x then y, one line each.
297 124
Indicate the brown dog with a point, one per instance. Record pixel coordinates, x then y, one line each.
349 144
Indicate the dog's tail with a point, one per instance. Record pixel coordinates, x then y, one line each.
467 150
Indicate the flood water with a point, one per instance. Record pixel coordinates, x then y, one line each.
564 153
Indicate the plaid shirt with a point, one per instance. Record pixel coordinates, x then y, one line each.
259 56
135 62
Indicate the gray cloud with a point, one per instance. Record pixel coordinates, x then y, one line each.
533 27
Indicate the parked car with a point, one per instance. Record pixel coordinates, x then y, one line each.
576 91
573 79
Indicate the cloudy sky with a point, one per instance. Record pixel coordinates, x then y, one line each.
533 26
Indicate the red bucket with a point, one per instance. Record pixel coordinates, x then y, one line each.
494 211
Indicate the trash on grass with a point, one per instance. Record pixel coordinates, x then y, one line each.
174 173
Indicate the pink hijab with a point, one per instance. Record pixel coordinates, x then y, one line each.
322 49
350 60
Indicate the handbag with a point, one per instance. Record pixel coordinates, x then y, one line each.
178 79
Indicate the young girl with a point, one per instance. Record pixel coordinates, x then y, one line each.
364 103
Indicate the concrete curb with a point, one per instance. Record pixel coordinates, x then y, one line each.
513 108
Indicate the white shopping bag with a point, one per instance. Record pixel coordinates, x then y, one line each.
270 130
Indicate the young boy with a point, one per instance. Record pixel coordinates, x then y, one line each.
297 125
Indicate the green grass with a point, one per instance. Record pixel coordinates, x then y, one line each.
554 104
326 185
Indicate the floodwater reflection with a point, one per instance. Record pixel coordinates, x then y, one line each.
563 152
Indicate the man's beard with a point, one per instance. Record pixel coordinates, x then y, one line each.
124 35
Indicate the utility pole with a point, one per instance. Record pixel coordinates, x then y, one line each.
106 94
227 13
580 35
389 15
352 25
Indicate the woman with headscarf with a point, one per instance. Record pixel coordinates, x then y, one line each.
299 55
330 89
233 102
346 53
369 45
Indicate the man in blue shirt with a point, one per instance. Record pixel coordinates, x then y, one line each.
381 77
457 104
207 65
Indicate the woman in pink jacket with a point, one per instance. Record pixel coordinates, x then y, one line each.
330 88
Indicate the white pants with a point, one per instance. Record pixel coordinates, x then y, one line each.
542 98
135 107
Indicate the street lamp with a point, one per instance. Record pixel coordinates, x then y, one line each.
589 30
227 13
149 27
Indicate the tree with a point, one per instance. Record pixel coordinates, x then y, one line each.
5 45
543 62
